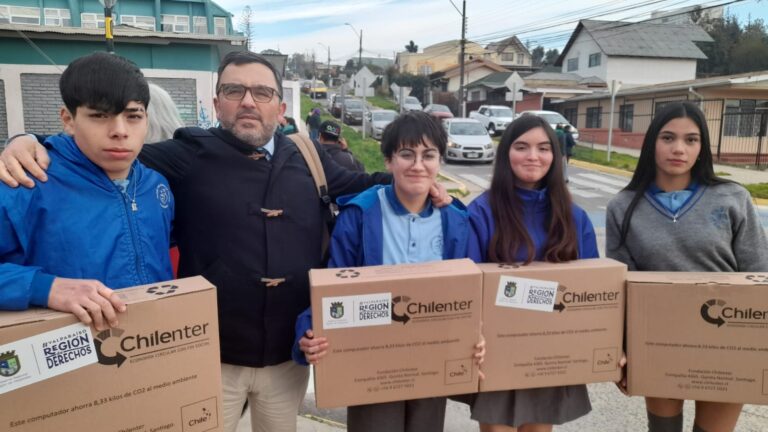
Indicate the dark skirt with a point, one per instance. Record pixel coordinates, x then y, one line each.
418 415
551 405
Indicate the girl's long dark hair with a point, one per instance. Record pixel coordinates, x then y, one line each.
511 234
702 171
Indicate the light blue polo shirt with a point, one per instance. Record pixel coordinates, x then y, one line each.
409 237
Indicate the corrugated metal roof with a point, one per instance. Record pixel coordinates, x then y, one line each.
120 31
647 39
494 80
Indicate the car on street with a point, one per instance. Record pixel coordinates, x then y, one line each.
553 118
377 121
495 118
314 88
411 103
468 140
438 111
334 105
353 111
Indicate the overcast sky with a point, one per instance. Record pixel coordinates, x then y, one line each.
388 25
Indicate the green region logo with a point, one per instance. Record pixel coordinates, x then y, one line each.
10 364
337 310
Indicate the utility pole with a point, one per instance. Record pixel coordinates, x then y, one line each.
108 24
462 104
360 55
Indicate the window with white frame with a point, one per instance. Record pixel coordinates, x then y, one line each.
220 26
200 24
139 21
19 15
176 23
57 17
92 20
573 64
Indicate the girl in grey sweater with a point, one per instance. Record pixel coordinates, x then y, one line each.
677 215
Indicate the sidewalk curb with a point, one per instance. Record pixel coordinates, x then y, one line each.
601 168
324 421
462 189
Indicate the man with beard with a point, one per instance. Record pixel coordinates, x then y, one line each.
249 219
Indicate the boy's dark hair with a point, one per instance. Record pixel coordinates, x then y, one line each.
238 58
104 82
409 130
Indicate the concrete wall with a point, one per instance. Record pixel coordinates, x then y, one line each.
35 89
643 71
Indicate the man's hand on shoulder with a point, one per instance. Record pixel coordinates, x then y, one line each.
23 155
439 195
89 300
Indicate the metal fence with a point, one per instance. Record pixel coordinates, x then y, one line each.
737 134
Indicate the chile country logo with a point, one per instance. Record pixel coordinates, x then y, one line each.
104 359
510 289
9 364
718 320
337 310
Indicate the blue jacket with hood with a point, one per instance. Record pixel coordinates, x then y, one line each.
361 221
80 225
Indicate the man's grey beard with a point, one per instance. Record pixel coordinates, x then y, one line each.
255 139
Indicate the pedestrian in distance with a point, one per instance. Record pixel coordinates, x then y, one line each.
102 221
336 146
528 215
239 188
288 125
313 123
677 215
412 145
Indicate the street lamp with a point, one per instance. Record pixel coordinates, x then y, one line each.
360 56
329 61
108 5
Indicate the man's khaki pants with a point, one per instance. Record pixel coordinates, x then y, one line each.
274 395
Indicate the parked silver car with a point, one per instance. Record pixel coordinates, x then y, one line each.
411 103
377 121
468 140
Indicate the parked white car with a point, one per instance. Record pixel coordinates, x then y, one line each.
468 140
377 121
495 118
553 118
411 103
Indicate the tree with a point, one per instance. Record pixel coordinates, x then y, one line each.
246 26
550 57
349 67
537 56
735 49
412 48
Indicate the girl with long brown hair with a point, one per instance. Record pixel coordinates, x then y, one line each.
528 215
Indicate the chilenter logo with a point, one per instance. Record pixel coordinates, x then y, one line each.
508 266
347 274
134 344
717 312
418 310
9 364
759 278
162 289
117 359
588 300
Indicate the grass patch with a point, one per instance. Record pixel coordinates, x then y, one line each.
722 173
758 190
618 160
383 103
368 150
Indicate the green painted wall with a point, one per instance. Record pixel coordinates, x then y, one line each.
173 56
174 8
135 7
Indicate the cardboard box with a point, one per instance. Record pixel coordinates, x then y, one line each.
396 332
700 336
570 333
159 370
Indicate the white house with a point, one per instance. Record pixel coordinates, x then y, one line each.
633 53
363 81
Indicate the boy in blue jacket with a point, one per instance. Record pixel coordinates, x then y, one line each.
395 224
102 220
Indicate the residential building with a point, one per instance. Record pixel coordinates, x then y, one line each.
178 44
736 109
633 53
511 54
437 57
363 82
450 78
